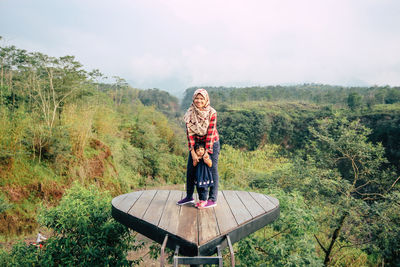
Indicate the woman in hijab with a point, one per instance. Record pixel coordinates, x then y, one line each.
201 126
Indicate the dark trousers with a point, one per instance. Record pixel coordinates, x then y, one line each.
202 191
191 175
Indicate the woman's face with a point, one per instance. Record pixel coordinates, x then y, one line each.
200 151
199 101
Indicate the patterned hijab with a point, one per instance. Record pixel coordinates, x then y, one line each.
197 120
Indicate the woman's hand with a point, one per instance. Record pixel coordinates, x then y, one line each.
206 156
194 157
207 160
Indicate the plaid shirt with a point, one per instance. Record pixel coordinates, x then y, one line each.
211 136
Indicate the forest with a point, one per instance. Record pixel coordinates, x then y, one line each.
70 142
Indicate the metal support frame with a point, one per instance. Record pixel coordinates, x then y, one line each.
198 259
162 255
231 251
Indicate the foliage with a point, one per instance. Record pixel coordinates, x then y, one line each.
163 101
311 93
252 124
237 168
288 241
386 229
21 255
4 204
341 173
60 123
384 121
85 233
242 129
343 145
159 154
354 101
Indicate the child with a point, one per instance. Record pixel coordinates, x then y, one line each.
203 174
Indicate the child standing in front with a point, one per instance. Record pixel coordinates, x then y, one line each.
204 177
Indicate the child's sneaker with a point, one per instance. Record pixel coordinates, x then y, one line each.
184 201
210 204
201 204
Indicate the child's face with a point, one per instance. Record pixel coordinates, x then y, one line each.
200 151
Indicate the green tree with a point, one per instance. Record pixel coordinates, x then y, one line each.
341 174
386 229
162 100
357 164
84 232
288 241
242 129
354 101
393 95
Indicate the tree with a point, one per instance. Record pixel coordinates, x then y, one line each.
288 241
393 95
53 81
342 146
242 129
84 232
162 100
386 229
354 101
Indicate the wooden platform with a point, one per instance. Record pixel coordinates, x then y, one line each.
154 213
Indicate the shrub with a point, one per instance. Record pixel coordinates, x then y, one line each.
84 234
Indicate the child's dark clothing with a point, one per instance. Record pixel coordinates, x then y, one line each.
204 179
191 174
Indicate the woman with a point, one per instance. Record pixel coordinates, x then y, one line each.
201 126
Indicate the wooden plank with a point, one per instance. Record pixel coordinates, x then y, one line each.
116 200
188 228
240 232
208 226
128 201
263 201
156 207
170 215
139 208
237 207
249 202
225 219
273 200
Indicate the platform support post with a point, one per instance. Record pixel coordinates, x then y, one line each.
231 251
220 261
198 260
176 254
162 255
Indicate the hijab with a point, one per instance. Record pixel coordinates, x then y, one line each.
197 120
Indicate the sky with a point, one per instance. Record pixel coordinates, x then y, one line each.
176 44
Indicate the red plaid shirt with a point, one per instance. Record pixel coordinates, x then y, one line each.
211 136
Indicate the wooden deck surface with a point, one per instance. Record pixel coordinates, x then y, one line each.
154 213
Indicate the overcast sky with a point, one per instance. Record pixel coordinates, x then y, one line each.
176 44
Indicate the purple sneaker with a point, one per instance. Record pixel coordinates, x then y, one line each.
184 201
210 204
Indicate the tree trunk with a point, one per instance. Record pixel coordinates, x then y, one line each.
333 240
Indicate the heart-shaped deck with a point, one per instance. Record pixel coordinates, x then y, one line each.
154 213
